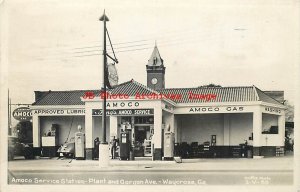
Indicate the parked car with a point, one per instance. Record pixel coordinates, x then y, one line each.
67 149
11 147
16 148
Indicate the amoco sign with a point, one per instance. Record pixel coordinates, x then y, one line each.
22 114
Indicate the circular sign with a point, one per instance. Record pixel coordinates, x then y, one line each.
112 75
22 114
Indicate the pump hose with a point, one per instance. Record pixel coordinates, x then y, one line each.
70 129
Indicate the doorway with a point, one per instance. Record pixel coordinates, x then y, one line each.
141 134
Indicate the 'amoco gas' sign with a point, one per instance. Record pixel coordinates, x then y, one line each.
22 114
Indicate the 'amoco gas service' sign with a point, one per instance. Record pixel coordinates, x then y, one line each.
22 114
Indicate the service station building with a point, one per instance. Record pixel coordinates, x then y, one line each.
205 121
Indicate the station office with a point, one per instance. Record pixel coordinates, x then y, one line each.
222 117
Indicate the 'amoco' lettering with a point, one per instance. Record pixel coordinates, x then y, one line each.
216 109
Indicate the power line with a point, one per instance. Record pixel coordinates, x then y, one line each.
130 50
166 43
135 49
153 35
133 43
115 52
110 48
129 42
139 45
156 37
163 42
167 32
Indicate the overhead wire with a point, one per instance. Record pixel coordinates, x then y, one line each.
139 45
164 41
146 38
163 44
120 41
151 47
129 42
110 48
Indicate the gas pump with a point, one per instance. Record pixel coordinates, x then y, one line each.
79 144
124 145
169 141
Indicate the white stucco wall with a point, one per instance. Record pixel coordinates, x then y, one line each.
269 120
64 123
127 104
199 128
240 128
97 126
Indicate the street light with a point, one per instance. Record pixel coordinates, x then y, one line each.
103 147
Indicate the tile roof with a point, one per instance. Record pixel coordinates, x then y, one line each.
62 97
223 94
73 97
265 97
277 95
131 88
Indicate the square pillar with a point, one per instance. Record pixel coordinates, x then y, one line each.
89 134
179 129
172 123
281 129
157 137
176 129
36 135
257 129
113 126
226 129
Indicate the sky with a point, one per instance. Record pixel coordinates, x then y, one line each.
57 44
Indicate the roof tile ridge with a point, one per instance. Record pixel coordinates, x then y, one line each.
205 87
149 89
57 91
124 83
144 86
256 93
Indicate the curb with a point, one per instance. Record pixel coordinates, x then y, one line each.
143 169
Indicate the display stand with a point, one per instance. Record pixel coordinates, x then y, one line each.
49 146
148 148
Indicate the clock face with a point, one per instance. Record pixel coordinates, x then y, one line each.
154 81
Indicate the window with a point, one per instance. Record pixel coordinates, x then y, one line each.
143 120
126 119
272 130
269 123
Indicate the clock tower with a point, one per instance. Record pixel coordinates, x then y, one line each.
155 71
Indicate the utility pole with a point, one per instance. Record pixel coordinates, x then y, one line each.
103 147
104 19
9 115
